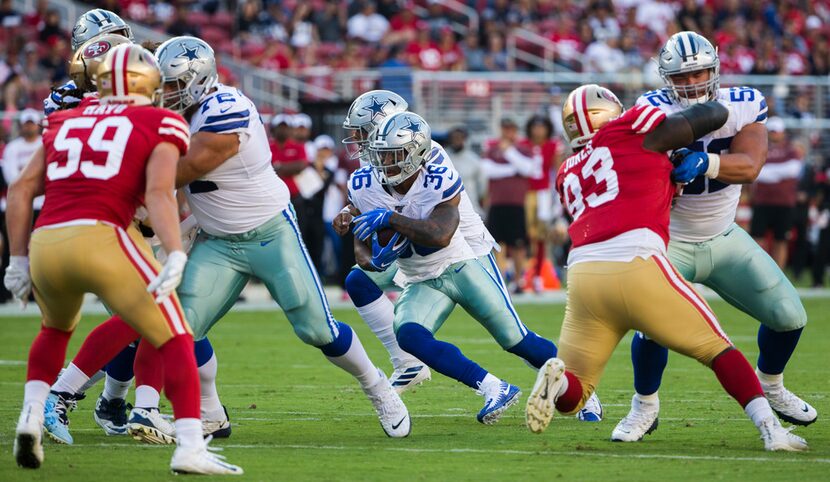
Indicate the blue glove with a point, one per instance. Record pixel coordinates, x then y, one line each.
66 96
688 164
384 256
366 224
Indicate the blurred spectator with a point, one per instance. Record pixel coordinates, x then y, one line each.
437 17
324 164
822 225
9 17
802 249
554 110
507 171
774 192
301 132
452 57
495 59
473 54
604 56
180 24
468 165
603 22
18 151
333 201
403 27
51 27
656 15
330 22
423 52
368 25
287 155
303 31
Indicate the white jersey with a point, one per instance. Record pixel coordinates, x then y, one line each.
708 206
244 191
471 225
434 185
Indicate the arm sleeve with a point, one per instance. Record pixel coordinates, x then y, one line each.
646 118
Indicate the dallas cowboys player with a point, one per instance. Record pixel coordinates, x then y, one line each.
366 286
249 228
420 201
706 245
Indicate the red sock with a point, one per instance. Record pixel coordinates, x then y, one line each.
540 257
569 400
148 366
737 377
181 379
47 354
102 344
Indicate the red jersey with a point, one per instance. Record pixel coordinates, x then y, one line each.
545 155
290 151
615 185
96 160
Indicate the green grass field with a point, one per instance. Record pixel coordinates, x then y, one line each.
296 417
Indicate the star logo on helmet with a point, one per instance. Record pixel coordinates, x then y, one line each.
189 54
413 127
376 108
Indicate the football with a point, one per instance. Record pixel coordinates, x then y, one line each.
385 235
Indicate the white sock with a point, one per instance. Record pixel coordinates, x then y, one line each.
652 400
189 432
357 362
562 389
71 380
769 380
380 316
97 377
488 379
211 405
758 410
114 389
34 395
146 397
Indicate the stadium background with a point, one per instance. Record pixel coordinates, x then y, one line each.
467 64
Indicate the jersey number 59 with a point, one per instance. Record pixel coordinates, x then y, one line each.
600 166
73 146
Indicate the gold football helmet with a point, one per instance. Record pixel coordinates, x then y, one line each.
587 108
129 74
86 59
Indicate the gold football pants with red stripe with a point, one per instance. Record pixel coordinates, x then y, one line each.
607 299
114 264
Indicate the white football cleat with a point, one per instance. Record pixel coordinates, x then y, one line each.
591 411
199 460
409 376
393 415
789 407
149 426
28 439
641 420
218 428
540 403
778 438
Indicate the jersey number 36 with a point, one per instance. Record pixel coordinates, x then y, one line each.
73 146
600 166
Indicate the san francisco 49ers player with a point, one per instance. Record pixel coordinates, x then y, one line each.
618 189
98 164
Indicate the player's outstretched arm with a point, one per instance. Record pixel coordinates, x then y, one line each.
19 203
159 197
207 152
682 128
747 155
435 231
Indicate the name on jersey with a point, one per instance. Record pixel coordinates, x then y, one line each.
579 157
105 109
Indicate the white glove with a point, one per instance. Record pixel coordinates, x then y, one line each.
171 275
17 279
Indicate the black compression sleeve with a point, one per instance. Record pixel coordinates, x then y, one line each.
705 118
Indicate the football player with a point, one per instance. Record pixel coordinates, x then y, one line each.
249 229
618 188
366 287
420 201
93 186
706 245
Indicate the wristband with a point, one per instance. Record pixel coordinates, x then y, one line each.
714 166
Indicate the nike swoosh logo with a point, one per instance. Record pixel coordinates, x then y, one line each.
459 269
805 409
506 390
545 395
265 243
395 427
222 111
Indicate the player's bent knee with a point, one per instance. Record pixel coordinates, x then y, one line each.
362 290
314 335
788 315
411 336
337 346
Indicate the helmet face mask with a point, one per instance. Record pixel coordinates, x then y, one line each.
685 57
398 147
188 68
365 114
97 22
